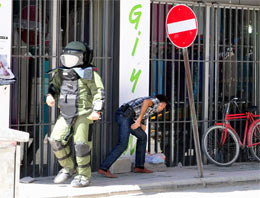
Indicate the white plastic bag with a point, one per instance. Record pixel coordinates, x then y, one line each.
156 158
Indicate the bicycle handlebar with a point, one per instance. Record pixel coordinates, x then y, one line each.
235 101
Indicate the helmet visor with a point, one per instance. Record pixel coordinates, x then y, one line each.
69 60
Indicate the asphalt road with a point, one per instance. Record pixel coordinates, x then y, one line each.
221 191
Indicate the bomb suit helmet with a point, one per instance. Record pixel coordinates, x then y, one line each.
76 54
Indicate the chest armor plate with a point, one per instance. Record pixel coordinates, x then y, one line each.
69 94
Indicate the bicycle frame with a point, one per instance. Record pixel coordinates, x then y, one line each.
250 117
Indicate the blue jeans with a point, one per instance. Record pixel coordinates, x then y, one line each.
123 138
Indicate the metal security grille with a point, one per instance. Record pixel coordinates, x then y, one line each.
224 62
41 29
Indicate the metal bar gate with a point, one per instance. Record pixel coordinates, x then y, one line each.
41 29
224 61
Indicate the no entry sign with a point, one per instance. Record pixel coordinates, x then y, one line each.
181 26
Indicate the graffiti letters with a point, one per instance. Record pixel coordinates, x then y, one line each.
134 18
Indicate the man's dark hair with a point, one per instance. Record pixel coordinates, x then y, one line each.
162 98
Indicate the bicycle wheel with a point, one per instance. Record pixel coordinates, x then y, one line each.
216 152
254 139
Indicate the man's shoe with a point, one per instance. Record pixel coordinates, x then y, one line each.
106 173
63 175
142 170
80 181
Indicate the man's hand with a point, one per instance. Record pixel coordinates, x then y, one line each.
143 127
94 116
50 100
135 125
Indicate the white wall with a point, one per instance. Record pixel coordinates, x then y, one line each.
134 54
134 49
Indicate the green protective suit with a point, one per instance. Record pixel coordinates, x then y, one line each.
85 95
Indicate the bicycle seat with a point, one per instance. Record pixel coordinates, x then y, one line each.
252 109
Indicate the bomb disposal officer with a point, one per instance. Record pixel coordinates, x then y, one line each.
80 94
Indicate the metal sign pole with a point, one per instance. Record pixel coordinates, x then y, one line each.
193 113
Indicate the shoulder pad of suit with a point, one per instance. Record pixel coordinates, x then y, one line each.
88 72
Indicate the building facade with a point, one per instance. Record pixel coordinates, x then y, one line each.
224 62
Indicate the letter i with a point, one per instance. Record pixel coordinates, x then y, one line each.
136 43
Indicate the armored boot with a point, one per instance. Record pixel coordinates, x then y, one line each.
63 175
80 181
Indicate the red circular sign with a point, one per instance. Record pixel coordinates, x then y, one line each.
181 26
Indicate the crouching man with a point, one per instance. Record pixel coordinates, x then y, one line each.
131 118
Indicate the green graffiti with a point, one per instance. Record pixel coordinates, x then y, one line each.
134 78
136 43
135 20
0 5
132 147
130 144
